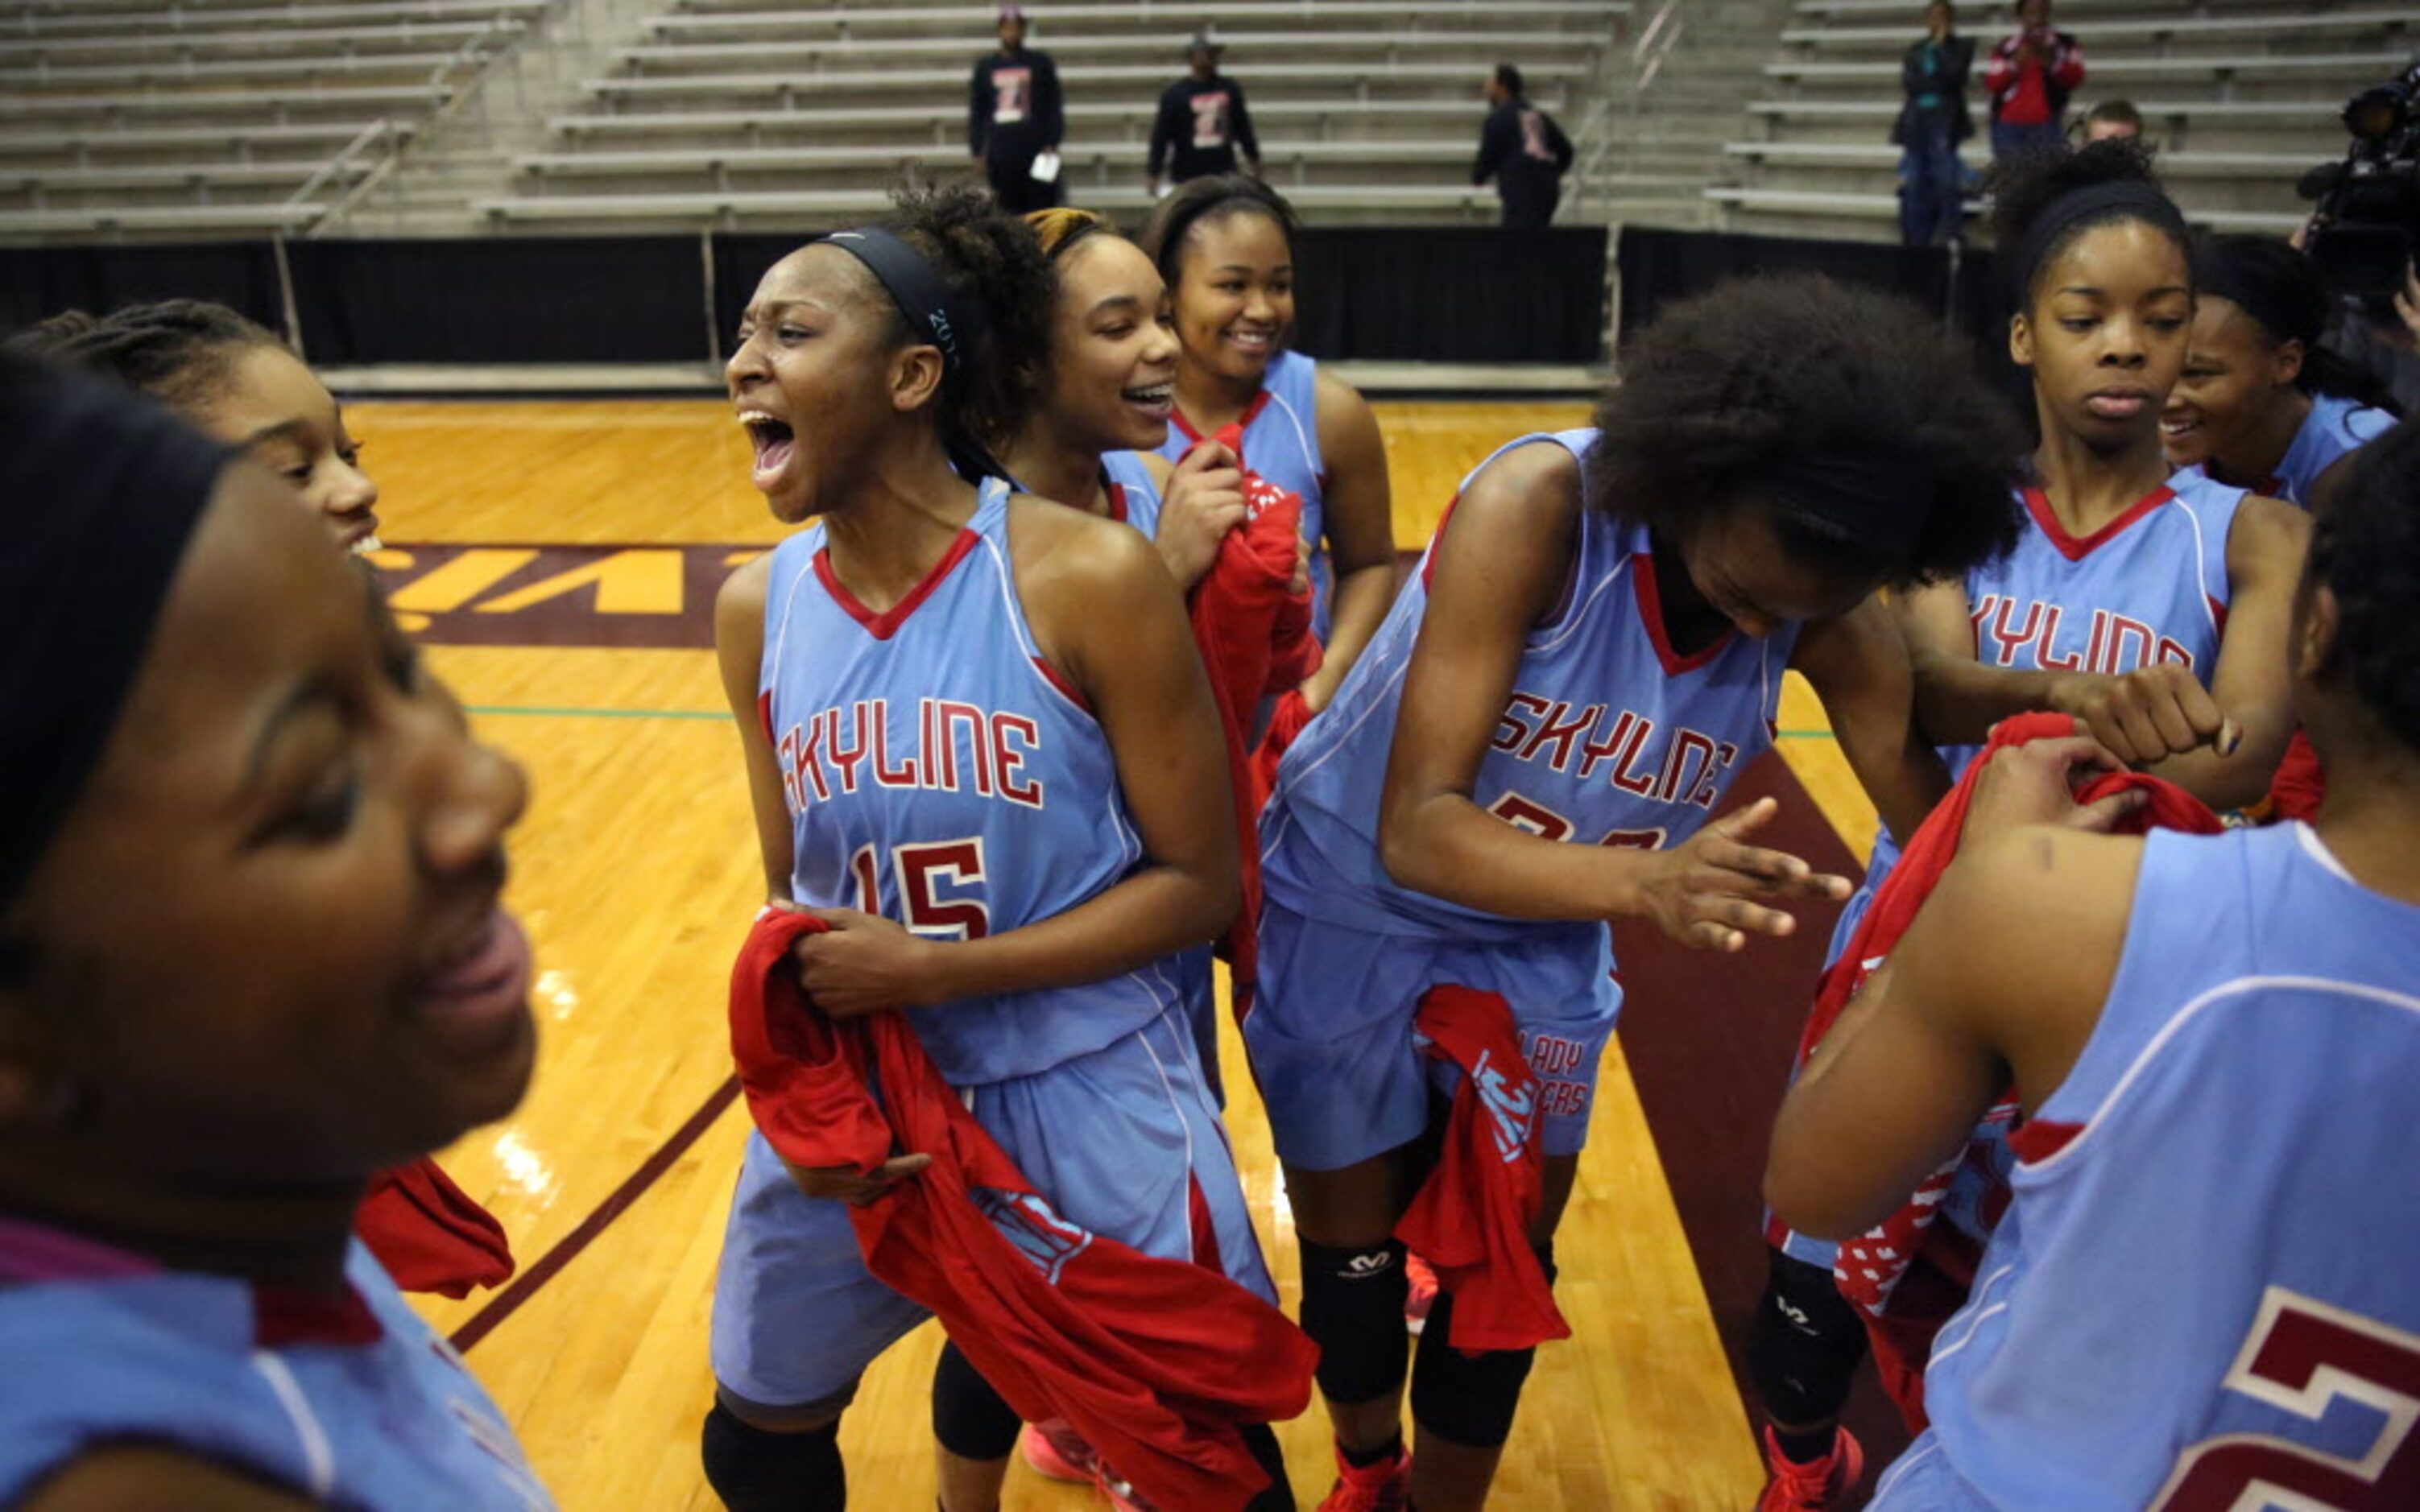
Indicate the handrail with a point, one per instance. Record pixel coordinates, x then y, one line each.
380 130
1656 44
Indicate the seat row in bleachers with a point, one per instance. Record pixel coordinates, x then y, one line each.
726 115
2238 98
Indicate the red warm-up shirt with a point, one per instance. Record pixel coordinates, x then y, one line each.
1870 1266
1471 1219
1153 1362
428 1233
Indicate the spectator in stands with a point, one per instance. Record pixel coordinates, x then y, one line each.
1933 120
1202 122
1015 115
2114 119
2031 74
1524 150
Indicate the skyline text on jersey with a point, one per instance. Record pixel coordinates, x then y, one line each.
1575 740
956 748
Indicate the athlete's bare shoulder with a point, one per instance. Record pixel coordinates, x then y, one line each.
1059 550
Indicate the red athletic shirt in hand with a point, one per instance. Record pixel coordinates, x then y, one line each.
429 1234
1152 1361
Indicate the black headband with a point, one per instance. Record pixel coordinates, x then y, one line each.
1869 499
2131 198
103 489
2223 269
952 324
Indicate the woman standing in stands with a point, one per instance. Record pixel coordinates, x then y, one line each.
1591 651
2152 608
2262 404
1225 247
1933 120
237 382
233 984
2030 77
2200 1296
1020 901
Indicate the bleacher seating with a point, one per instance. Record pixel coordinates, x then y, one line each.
728 111
223 117
2239 96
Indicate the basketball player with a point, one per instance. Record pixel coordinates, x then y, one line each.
1225 246
2201 1294
2262 404
1592 648
1018 886
233 984
2151 608
237 382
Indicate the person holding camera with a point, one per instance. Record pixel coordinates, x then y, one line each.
2031 74
1933 120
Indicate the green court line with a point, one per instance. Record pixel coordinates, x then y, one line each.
543 712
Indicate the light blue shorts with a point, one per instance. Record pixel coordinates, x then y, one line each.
1345 1076
1124 1142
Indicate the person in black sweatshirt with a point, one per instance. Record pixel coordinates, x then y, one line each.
1202 122
1014 115
1524 150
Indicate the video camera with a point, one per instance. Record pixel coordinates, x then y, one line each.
2368 205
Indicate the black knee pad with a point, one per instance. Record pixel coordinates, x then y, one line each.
1353 1309
1805 1345
970 1419
755 1470
1278 1496
1464 1399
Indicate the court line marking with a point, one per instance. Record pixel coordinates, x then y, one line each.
566 1249
550 712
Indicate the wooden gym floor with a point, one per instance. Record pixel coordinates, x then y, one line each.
560 560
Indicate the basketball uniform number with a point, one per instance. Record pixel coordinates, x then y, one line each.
2301 1357
939 887
1538 820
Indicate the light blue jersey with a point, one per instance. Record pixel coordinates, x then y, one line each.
1134 497
2202 1293
1609 738
1281 445
939 772
353 1402
2335 427
2149 587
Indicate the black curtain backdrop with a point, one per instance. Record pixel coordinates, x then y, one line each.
1452 294
1658 267
1428 293
39 282
501 299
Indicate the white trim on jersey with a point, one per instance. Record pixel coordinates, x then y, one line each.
2201 573
2316 849
1973 1315
1310 458
319 1455
2240 987
1576 616
771 655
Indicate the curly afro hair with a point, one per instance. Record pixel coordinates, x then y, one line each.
2365 546
983 253
2024 185
180 351
1728 393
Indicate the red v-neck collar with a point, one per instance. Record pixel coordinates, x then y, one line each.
2075 548
1242 421
1650 614
884 626
1116 495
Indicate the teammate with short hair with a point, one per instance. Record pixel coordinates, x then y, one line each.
251 951
2200 1295
1016 113
2151 608
235 380
982 748
1225 247
2262 404
1591 650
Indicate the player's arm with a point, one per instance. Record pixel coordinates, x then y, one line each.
2253 684
978 109
1858 667
1246 138
2002 974
118 1477
2144 716
1494 137
1360 527
1102 612
1163 132
739 652
1050 106
1499 569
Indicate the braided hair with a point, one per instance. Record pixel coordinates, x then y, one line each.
180 351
